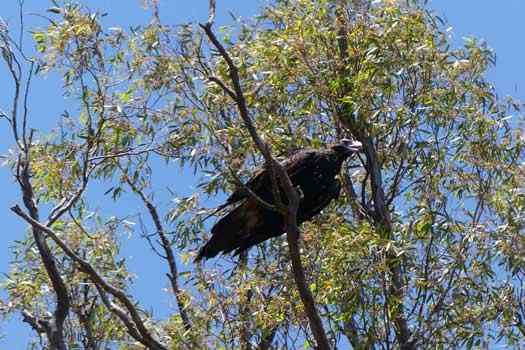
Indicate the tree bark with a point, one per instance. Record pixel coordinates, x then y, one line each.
381 214
316 325
279 177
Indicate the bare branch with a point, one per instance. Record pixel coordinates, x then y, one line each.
166 245
278 176
64 205
39 326
266 341
252 194
244 303
223 86
211 11
381 214
26 109
121 314
122 154
146 338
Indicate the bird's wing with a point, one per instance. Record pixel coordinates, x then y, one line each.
300 161
259 181
311 209
252 184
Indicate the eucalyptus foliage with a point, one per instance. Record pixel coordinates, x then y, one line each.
438 264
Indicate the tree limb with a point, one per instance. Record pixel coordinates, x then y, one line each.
54 328
166 246
381 214
145 336
40 326
278 176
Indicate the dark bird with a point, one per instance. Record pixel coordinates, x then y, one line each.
313 172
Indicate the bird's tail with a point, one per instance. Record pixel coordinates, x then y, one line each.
207 251
226 236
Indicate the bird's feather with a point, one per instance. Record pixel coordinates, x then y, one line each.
312 171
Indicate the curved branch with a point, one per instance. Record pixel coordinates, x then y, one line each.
278 177
381 213
166 245
54 329
145 336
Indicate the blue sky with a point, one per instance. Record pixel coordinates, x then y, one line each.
499 23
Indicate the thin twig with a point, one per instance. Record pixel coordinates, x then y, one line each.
166 245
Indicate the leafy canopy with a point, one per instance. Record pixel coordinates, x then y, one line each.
444 259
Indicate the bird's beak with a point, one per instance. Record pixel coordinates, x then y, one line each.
355 146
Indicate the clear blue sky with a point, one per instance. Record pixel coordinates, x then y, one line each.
499 23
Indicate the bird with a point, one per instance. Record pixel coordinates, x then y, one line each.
312 172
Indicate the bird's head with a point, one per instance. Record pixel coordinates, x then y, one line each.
347 147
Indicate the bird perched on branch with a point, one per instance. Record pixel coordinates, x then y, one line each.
313 173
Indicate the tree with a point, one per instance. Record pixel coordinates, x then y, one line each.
422 251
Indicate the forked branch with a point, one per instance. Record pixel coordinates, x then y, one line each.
279 179
131 316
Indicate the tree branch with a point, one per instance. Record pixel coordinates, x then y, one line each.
166 246
252 194
145 337
266 341
39 326
278 176
381 214
54 328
